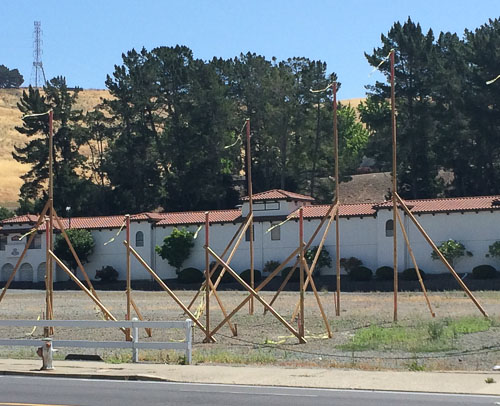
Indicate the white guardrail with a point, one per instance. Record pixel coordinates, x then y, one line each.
134 325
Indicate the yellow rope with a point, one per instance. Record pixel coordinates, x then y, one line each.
239 136
489 82
34 328
288 218
28 233
322 90
382 62
199 310
195 236
117 234
35 114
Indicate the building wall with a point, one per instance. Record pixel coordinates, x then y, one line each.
361 237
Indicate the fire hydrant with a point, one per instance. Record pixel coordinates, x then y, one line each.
45 352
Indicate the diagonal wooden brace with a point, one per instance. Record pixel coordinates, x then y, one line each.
254 293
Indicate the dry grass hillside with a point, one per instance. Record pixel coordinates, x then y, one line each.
10 117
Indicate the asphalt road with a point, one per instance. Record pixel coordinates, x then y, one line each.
23 391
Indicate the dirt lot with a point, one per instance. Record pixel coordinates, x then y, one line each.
262 339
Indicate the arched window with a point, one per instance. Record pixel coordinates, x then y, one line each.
389 228
139 239
26 272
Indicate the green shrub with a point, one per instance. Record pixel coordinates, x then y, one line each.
324 259
384 273
190 275
451 250
107 274
271 266
484 272
410 274
350 263
360 273
245 275
176 247
494 250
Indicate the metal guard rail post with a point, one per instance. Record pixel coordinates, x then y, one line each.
135 325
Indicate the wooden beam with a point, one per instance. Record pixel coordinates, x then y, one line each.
168 290
420 280
438 253
256 295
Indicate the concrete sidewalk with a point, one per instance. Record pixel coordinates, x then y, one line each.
438 382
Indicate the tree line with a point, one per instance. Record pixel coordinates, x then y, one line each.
170 135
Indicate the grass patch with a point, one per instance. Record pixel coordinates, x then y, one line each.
260 356
433 336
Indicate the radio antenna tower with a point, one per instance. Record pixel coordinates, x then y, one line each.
37 73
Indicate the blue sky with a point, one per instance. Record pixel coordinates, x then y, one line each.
83 40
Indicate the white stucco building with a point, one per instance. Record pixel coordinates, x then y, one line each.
365 232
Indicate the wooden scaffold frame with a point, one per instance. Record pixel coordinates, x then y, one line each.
397 202
47 216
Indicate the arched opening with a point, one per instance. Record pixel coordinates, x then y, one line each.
40 272
26 272
139 239
6 271
389 228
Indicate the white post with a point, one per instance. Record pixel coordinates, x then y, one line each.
189 341
135 340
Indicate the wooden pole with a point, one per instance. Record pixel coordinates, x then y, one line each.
49 264
318 299
438 253
75 255
309 243
257 289
212 270
417 270
250 201
47 275
149 331
394 188
129 283
301 270
257 296
337 199
309 277
207 279
82 287
169 291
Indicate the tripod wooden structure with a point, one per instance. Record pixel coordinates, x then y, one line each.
47 217
397 202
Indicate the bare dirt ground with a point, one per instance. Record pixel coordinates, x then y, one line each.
263 339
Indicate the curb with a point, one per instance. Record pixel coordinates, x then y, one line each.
50 374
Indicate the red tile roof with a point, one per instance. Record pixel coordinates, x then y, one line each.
460 204
25 218
279 194
447 205
198 217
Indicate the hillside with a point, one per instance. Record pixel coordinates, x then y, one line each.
10 117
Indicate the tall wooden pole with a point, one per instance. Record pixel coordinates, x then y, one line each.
47 272
250 213
49 262
394 188
129 301
207 279
337 194
301 272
